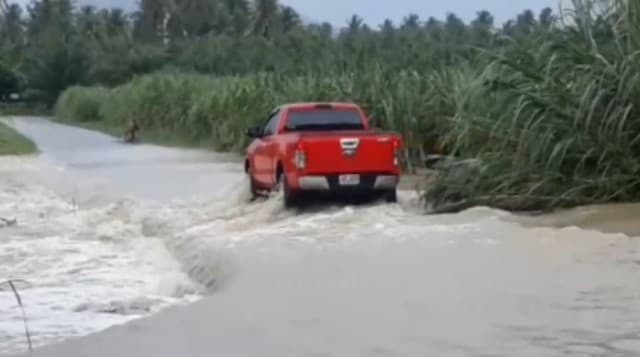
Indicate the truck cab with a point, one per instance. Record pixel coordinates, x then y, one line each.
322 147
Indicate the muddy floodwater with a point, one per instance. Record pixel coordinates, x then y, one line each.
109 233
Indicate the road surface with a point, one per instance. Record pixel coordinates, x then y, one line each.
147 251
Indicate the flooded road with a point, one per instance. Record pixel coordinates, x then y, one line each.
109 232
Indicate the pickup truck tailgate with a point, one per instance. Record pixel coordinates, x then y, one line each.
356 152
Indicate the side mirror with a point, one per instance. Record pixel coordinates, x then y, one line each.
254 132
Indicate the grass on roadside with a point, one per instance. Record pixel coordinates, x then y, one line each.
13 143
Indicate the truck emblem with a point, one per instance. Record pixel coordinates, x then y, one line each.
349 146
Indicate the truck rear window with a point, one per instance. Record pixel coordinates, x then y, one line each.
324 119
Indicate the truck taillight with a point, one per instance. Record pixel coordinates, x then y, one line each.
300 157
396 152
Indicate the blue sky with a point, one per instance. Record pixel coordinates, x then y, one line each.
375 12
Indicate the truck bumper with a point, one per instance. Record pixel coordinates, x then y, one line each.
332 183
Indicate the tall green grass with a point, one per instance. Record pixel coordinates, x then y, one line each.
552 118
554 121
216 111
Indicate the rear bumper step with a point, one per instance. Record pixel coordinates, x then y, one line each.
331 183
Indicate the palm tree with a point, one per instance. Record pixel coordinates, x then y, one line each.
148 20
546 17
411 22
87 20
11 26
240 11
525 22
265 13
484 20
289 19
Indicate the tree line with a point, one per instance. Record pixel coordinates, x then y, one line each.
52 44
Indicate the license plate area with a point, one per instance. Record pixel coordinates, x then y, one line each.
349 180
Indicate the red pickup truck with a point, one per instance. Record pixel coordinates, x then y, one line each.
326 147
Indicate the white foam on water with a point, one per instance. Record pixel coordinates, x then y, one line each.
76 260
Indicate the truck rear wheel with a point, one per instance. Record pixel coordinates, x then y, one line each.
289 196
391 196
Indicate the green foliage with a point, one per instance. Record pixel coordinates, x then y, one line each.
56 45
546 104
12 143
549 113
557 124
9 82
81 104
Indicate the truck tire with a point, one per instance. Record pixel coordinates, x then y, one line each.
253 187
289 197
391 196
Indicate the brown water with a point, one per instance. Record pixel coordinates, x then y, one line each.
110 232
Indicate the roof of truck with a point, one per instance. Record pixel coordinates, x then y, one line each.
319 104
